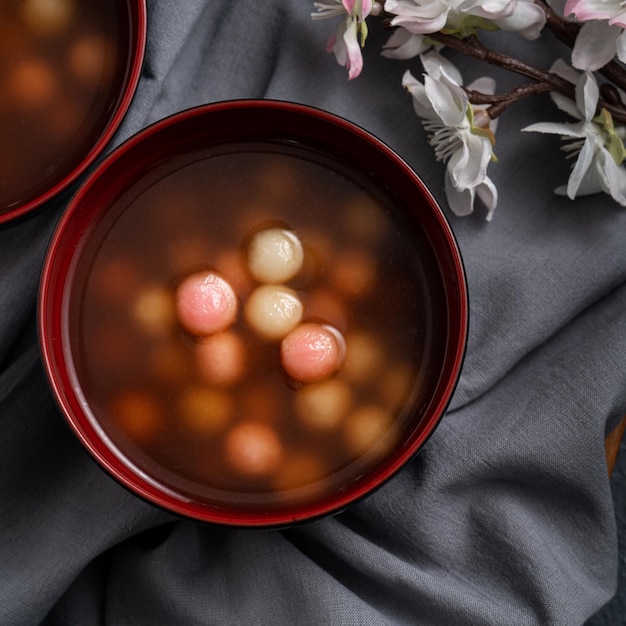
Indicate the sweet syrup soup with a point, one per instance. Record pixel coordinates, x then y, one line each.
228 425
60 68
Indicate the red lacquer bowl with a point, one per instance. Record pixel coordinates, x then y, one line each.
142 202
68 73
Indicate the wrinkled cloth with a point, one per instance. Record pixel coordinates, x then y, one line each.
506 516
615 611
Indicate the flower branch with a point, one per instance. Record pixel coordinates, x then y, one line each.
460 120
545 81
498 103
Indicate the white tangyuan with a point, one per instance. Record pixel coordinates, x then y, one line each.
273 310
275 255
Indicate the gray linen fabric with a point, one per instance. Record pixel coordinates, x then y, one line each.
505 518
615 611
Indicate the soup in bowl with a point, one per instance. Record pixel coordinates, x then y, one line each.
253 313
68 71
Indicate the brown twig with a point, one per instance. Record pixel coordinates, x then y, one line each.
548 81
500 102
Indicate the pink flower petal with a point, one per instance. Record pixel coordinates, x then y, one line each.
353 49
619 19
365 7
585 10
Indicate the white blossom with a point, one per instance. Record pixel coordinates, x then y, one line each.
594 141
416 19
403 44
465 16
346 42
459 140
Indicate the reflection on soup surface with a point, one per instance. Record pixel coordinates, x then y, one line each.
250 325
60 69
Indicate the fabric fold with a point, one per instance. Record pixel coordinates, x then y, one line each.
505 517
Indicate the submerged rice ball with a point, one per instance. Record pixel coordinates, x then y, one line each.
273 310
88 59
275 255
253 449
32 84
137 413
153 310
299 470
47 17
221 358
365 358
312 352
205 410
367 429
323 406
205 303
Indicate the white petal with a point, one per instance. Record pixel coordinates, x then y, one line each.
434 63
614 176
421 103
527 20
587 94
461 202
420 19
555 128
408 80
448 100
592 182
595 45
606 176
580 168
468 166
488 195
564 70
566 105
427 9
620 44
489 9
484 84
404 45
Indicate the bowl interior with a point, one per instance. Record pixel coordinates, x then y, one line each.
171 195
68 72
